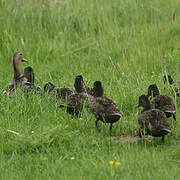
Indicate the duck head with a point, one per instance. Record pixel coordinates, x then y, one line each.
48 87
144 102
29 74
153 90
79 84
16 61
170 79
98 89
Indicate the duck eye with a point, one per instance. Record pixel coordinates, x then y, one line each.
20 54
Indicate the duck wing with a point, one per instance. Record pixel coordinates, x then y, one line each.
75 102
164 103
154 122
62 92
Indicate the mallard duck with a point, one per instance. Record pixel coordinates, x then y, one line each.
59 92
76 100
28 83
97 90
80 86
172 83
48 87
18 76
162 102
29 74
152 121
63 92
103 108
75 103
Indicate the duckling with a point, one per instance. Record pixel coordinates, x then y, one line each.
80 86
18 76
76 100
29 74
28 83
162 102
152 121
103 108
60 92
171 83
97 90
48 87
63 92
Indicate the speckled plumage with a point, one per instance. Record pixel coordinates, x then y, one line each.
75 103
48 87
76 100
152 121
80 86
62 92
28 84
162 102
103 108
59 92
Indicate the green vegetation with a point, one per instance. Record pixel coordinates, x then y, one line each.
120 42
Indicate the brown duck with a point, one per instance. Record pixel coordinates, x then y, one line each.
152 121
59 92
48 87
162 102
28 84
80 86
18 76
78 99
103 108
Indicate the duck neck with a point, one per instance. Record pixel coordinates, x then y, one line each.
16 67
147 107
98 92
80 87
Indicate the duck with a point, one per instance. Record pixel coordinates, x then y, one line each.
97 90
60 92
161 102
48 87
76 101
152 121
28 82
171 82
103 108
80 86
18 76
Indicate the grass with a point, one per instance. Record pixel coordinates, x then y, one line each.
119 42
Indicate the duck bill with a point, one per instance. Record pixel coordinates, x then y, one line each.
24 60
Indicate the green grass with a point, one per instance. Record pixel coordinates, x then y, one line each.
119 42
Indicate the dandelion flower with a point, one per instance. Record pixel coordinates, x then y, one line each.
118 163
111 162
153 73
32 132
80 119
72 158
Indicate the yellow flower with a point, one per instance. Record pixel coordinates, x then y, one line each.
118 163
152 76
153 73
111 162
80 119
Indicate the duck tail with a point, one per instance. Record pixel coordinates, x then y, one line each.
165 130
118 114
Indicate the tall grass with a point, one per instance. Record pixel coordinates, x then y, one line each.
119 42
